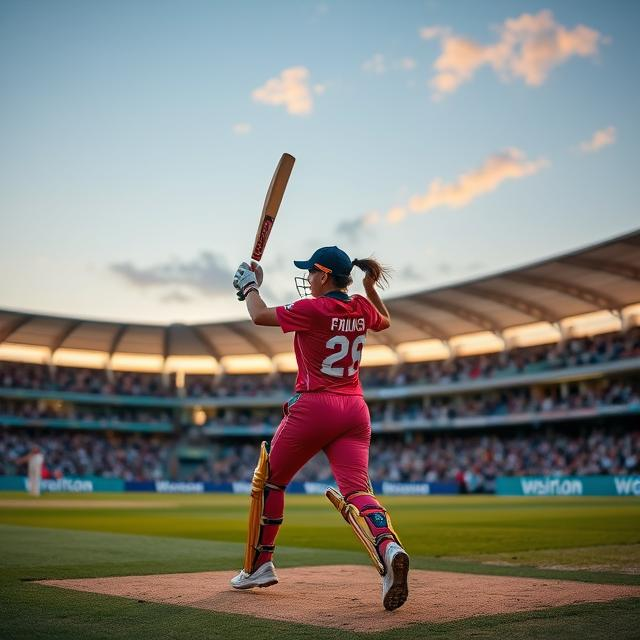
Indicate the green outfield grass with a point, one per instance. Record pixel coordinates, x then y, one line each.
63 536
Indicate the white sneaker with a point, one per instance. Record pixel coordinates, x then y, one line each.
394 582
263 576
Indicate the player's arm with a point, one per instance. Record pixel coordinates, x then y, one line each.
246 281
376 301
258 310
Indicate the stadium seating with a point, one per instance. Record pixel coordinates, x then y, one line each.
556 409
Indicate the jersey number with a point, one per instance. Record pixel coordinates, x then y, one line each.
342 344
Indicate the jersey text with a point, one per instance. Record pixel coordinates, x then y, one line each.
347 324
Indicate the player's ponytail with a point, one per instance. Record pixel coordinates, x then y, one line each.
376 271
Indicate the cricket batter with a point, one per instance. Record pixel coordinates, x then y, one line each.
327 413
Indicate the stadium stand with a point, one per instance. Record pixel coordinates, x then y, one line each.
474 461
563 402
611 347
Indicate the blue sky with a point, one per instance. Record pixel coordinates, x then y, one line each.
449 139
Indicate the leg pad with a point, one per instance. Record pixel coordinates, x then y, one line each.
257 520
357 520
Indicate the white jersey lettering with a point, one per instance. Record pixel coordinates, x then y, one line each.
343 325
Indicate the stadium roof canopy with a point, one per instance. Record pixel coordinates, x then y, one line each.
600 278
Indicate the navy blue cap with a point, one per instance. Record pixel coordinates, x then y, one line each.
328 259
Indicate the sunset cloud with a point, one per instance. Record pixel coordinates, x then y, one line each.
527 49
396 214
509 164
207 274
601 138
430 33
176 297
351 229
290 89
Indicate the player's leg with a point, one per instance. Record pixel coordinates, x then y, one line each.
252 574
296 440
349 459
300 436
348 456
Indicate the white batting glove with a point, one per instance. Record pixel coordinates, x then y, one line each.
245 280
236 276
254 266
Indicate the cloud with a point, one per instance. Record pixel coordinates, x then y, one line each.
509 164
528 48
601 138
207 274
396 214
176 296
352 229
431 33
290 89
241 128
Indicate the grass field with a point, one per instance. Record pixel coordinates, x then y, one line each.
72 536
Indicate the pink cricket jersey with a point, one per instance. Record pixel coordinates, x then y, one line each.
330 335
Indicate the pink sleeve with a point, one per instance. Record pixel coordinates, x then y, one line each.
373 316
295 316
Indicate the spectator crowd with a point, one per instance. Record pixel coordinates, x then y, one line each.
512 401
442 409
571 353
47 410
126 456
17 375
473 461
425 410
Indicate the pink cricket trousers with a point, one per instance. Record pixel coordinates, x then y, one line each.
340 426
334 423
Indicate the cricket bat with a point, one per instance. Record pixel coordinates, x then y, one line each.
272 204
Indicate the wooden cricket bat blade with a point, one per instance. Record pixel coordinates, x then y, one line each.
272 203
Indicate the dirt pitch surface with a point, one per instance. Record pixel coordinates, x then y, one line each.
348 597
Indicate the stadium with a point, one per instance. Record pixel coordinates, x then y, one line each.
411 408
524 383
472 385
